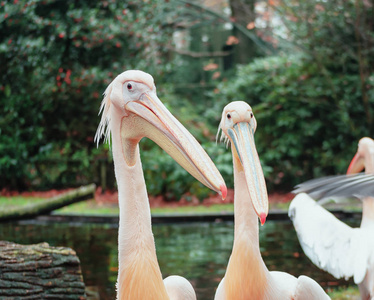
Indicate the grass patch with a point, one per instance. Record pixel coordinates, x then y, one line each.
18 201
89 207
199 209
349 293
92 208
279 206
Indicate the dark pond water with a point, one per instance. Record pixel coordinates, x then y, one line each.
198 251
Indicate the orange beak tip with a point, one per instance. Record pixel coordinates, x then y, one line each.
223 191
262 218
352 165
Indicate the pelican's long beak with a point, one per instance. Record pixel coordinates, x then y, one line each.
174 138
242 137
357 164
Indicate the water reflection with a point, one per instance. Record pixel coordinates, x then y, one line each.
198 251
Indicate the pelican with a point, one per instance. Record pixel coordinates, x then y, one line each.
131 110
247 276
331 244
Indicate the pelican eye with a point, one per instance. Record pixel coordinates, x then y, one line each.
129 86
228 116
251 114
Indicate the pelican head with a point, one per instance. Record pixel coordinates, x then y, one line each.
238 126
364 158
132 101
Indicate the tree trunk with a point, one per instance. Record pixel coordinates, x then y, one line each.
79 194
39 272
242 11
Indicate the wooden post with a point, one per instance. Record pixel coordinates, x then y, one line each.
39 272
103 175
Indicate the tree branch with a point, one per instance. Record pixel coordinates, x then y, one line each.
79 194
362 66
266 47
200 54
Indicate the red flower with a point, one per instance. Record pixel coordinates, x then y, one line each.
67 77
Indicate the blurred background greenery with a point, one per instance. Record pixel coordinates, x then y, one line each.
305 67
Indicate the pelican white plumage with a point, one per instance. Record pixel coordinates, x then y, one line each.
331 244
247 276
131 110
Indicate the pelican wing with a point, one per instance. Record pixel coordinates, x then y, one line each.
329 243
179 287
308 289
343 186
302 288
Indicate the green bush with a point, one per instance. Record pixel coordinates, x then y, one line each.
56 59
163 175
303 130
314 103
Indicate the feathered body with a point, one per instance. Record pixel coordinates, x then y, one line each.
331 244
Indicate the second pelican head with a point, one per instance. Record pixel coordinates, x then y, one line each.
238 126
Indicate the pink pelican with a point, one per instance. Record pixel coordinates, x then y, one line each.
131 110
247 276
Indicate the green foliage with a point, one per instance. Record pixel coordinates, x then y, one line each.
339 37
345 293
162 174
303 131
165 177
56 58
332 32
313 104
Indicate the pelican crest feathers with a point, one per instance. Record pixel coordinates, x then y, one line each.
223 137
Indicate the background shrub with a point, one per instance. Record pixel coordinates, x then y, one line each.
313 97
303 130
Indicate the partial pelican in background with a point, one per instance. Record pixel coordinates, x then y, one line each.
247 276
131 110
338 187
331 244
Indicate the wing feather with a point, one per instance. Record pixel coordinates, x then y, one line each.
345 186
329 243
303 287
308 288
179 288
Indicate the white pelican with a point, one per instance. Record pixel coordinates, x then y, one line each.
331 244
131 110
247 276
